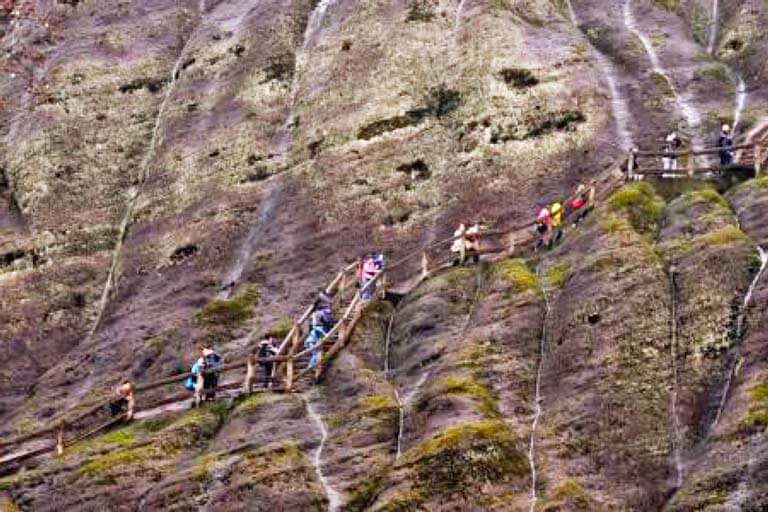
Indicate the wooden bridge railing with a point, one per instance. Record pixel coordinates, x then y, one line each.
286 364
748 152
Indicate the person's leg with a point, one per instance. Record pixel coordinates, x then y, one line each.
673 164
666 163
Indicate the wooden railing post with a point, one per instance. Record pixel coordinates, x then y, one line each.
131 400
424 265
691 164
758 159
631 165
289 363
342 286
511 248
289 373
383 286
60 440
250 373
199 388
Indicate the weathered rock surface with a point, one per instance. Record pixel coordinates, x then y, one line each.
172 173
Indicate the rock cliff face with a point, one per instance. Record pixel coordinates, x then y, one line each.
180 172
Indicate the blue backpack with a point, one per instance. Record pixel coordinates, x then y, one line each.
190 383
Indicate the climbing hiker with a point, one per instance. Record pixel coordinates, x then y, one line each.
725 144
123 400
458 247
322 300
579 205
368 272
672 145
556 213
267 349
543 228
472 242
211 366
315 336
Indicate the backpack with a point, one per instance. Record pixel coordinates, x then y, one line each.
213 362
266 350
326 316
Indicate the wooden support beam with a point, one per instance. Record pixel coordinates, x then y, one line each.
691 165
758 159
60 440
250 374
424 265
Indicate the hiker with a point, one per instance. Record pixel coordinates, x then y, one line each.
579 205
472 242
543 228
672 145
367 273
725 143
323 300
556 213
322 313
267 349
315 336
211 366
123 400
459 244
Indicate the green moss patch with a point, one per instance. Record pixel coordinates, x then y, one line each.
641 205
517 274
756 419
465 386
557 275
568 495
118 460
669 5
714 72
224 312
376 403
463 456
726 235
709 489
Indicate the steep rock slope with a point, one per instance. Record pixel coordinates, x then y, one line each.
173 174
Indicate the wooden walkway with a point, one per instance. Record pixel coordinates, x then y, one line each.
291 369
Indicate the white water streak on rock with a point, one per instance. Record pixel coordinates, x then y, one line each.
739 327
689 113
302 59
713 23
619 107
673 395
537 401
334 498
252 241
403 403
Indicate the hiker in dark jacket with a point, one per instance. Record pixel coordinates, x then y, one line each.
267 349
725 143
211 367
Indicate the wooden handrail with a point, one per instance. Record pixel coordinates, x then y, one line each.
350 316
694 152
